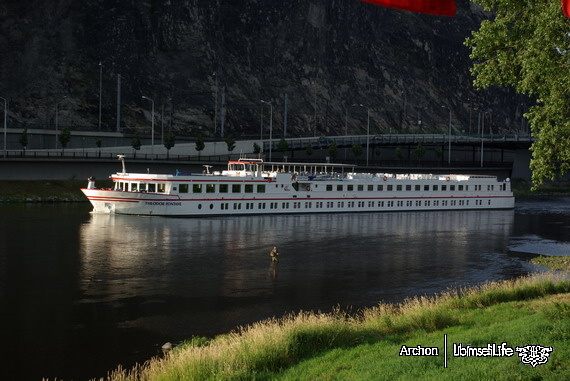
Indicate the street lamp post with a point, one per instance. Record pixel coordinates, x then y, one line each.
270 125
5 119
57 118
152 125
100 90
449 137
367 129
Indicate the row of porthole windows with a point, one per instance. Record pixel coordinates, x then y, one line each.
341 204
401 187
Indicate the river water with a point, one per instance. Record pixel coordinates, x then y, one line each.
81 293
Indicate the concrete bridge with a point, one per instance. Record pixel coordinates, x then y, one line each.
505 155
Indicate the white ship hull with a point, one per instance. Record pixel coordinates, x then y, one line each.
255 191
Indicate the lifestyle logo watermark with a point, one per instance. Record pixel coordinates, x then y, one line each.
532 355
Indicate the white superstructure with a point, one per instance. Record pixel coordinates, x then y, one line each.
250 186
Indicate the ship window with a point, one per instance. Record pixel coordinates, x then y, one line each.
370 188
426 188
389 188
183 188
339 188
350 188
261 188
417 187
435 187
398 187
210 188
460 187
452 187
443 188
236 188
467 187
223 188
380 187
408 187
360 188
329 187
134 187
197 188
152 188
248 188
199 206
161 188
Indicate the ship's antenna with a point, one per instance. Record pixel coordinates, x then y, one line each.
122 158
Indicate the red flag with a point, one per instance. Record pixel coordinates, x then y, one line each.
566 7
433 7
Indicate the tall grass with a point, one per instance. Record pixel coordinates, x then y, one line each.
276 344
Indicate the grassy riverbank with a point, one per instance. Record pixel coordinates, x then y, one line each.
337 346
43 190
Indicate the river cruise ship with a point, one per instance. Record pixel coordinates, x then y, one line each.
251 186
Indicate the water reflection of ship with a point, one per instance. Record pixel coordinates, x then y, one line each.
233 248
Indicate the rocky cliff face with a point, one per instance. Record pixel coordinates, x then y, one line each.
325 55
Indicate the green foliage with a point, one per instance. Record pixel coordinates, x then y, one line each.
399 153
439 152
333 150
200 145
283 145
526 45
169 140
420 151
308 346
256 148
377 151
24 138
356 150
136 142
64 136
231 143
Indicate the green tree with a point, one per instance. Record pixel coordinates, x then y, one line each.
256 149
399 153
169 142
420 151
136 144
526 46
64 137
231 143
200 145
24 138
377 152
333 150
282 146
356 150
99 143
439 152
